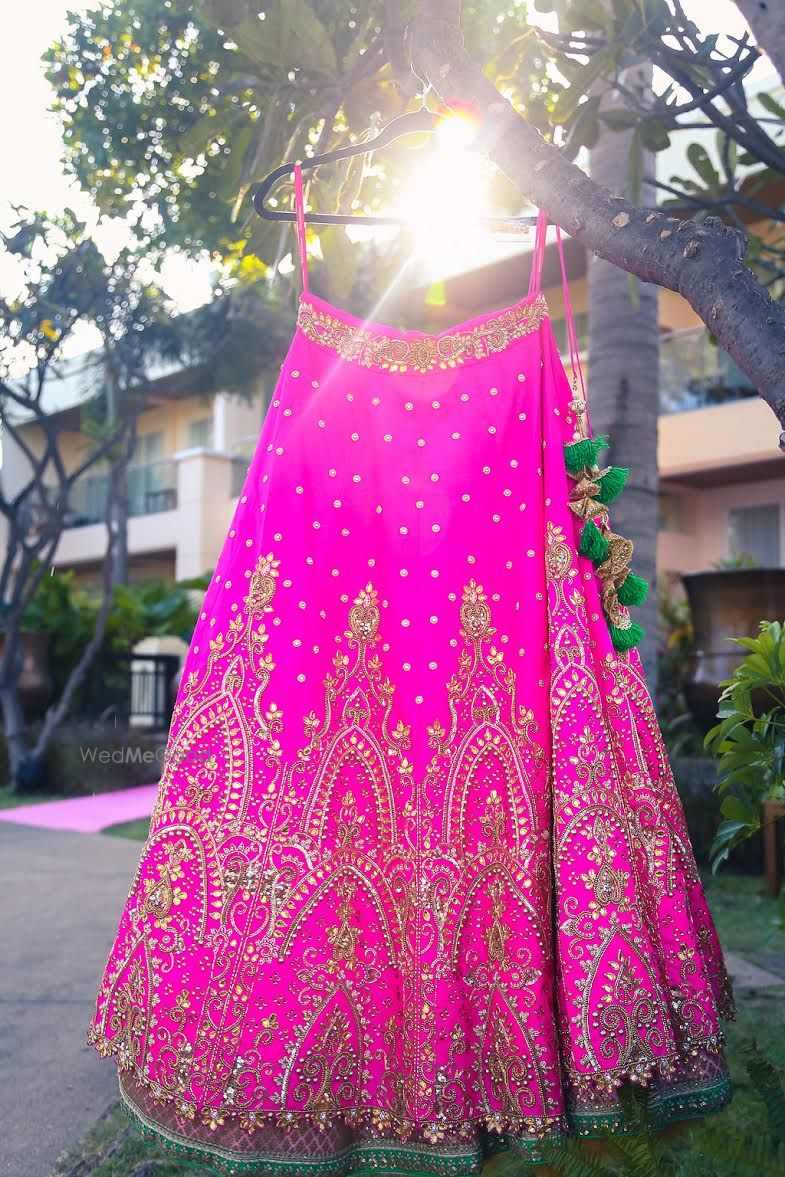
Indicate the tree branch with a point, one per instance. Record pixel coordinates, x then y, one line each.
702 262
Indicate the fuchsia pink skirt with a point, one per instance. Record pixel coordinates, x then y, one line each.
418 885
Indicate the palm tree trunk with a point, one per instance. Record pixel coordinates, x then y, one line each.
623 388
768 28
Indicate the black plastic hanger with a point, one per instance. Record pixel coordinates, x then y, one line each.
415 122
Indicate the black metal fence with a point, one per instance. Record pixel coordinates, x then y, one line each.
134 688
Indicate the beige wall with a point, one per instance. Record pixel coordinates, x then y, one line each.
234 420
703 513
186 540
734 434
675 313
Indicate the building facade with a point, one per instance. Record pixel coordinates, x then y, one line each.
722 485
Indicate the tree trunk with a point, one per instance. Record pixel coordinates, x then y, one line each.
624 387
767 24
14 726
117 521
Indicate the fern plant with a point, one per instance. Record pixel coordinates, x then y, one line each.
636 1151
641 1152
753 1153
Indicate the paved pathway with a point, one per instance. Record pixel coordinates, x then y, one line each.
85 815
61 896
748 977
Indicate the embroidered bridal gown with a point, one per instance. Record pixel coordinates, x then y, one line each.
418 885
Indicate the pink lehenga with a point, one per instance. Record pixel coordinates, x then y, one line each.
418 885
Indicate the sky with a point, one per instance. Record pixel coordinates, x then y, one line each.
30 145
30 141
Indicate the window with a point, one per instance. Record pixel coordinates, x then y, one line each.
200 433
754 533
149 448
671 512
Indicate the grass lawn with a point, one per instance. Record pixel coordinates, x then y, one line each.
138 829
10 799
745 921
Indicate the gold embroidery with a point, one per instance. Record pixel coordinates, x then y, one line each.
344 937
421 353
348 837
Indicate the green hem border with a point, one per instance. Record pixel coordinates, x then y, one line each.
359 1159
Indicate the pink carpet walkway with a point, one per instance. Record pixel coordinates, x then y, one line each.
86 815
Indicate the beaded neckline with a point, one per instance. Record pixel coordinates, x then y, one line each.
373 345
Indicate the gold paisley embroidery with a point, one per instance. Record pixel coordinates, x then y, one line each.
422 353
351 836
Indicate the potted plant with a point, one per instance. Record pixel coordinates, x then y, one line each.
749 741
726 602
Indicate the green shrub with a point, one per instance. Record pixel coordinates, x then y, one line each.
749 740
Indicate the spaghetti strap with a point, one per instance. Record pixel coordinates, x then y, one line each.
538 253
535 284
299 209
572 336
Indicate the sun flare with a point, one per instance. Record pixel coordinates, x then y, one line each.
446 196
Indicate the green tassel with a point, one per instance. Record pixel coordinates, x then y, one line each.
612 484
625 639
633 590
593 543
583 453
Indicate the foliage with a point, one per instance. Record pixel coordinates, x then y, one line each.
68 283
675 642
153 608
66 286
640 1153
174 110
67 611
750 1152
739 560
749 740
732 141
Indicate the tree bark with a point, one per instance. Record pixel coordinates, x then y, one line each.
623 380
765 18
702 262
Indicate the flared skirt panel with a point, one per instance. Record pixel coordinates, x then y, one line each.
418 884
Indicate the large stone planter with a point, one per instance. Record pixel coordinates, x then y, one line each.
728 603
773 813
35 679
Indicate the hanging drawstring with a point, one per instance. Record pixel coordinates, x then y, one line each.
572 337
299 209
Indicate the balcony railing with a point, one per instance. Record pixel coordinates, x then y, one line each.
239 470
696 373
152 487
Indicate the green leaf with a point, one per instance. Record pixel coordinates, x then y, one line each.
565 106
635 173
699 158
620 120
735 809
585 128
653 135
200 135
771 105
585 15
291 32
